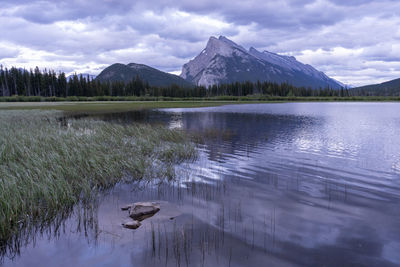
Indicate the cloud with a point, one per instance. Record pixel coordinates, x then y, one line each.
354 41
7 51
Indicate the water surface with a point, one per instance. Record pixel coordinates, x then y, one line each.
307 184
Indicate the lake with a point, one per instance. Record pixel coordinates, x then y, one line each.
291 184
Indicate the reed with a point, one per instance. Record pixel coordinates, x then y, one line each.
47 166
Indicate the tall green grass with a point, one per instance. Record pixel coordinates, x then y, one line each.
48 165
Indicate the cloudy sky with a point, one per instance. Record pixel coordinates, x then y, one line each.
354 41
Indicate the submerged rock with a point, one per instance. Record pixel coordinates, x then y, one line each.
138 212
143 210
131 224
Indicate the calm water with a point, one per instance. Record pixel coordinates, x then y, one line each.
307 184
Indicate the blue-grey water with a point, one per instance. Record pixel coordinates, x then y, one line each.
293 184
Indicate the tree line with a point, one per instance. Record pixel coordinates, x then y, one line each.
47 83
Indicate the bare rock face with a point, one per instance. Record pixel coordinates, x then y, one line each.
143 210
223 61
207 69
131 224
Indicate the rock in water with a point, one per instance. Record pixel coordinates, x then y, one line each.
127 207
131 224
143 210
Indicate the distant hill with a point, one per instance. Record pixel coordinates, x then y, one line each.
390 88
126 73
223 61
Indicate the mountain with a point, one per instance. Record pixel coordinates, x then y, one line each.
85 75
223 61
126 73
390 88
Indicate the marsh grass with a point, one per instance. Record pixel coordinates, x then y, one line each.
46 166
100 107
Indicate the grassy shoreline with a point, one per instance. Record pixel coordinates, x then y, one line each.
106 107
261 98
47 167
123 106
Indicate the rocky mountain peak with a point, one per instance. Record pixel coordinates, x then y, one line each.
221 46
225 61
252 49
230 43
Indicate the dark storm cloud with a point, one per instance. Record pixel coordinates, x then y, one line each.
336 36
51 11
289 13
275 14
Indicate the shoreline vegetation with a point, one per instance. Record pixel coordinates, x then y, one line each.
49 164
104 107
249 98
119 104
100 105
